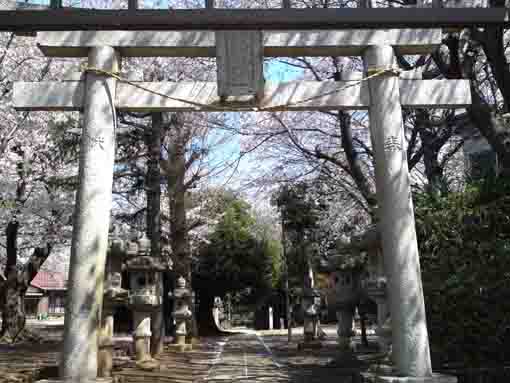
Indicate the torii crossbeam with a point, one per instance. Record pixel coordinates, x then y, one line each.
248 19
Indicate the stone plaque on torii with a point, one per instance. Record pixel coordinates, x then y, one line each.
381 89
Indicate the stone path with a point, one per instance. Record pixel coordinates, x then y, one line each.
243 358
246 358
251 358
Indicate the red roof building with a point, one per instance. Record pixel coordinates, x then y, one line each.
49 280
46 294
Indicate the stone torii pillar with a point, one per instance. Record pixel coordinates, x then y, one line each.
400 247
91 220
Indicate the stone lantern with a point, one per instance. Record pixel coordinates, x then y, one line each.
347 296
182 314
374 287
311 303
145 275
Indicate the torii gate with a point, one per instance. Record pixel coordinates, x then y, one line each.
241 87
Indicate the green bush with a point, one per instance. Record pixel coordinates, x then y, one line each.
464 241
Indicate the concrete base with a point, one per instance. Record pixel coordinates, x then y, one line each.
180 347
435 378
310 345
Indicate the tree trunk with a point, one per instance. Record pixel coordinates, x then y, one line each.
13 315
494 129
176 172
286 285
432 142
16 285
355 161
176 190
492 39
153 190
14 288
483 116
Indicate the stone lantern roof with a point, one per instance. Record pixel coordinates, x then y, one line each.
145 263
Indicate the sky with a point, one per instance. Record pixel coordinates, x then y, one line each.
274 71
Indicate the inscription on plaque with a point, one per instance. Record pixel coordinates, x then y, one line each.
392 144
239 60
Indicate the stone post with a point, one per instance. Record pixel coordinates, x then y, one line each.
182 313
270 315
142 335
105 352
400 248
91 220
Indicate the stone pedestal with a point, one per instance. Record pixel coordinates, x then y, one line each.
182 314
311 308
142 334
376 290
114 296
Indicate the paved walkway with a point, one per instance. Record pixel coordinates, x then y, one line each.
252 358
243 358
247 358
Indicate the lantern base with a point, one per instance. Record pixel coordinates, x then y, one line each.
148 364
